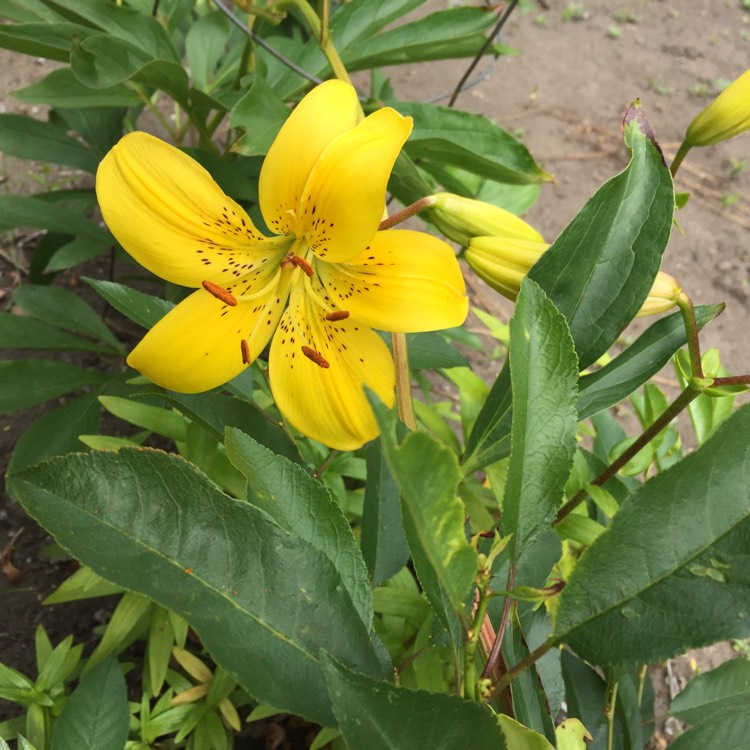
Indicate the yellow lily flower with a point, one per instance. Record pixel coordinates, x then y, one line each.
320 285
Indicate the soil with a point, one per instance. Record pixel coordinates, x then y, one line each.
580 65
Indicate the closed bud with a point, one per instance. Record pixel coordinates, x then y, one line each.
727 115
461 219
662 297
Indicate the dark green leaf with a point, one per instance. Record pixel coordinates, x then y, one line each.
470 141
77 251
24 211
28 138
707 693
640 361
49 40
30 10
61 88
544 373
408 183
20 332
430 351
383 542
26 382
379 715
302 506
262 601
260 113
678 550
101 128
215 412
58 306
141 308
56 432
728 729
600 269
96 716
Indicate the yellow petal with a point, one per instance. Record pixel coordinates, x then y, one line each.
169 214
329 110
343 201
198 345
404 281
328 403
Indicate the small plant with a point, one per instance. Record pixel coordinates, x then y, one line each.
540 20
614 31
736 167
574 12
626 15
699 89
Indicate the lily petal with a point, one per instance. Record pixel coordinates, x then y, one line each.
329 110
404 281
198 345
169 214
343 201
320 389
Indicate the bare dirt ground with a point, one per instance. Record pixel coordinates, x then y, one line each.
579 66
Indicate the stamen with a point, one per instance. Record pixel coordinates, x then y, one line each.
245 347
220 293
295 260
315 357
338 315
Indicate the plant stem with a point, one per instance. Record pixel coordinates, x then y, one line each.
522 666
691 327
403 381
681 154
492 659
646 437
611 717
408 212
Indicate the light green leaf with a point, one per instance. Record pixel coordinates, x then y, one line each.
303 507
96 716
379 715
519 737
75 252
153 418
353 22
61 88
260 113
261 600
205 44
544 373
141 308
692 517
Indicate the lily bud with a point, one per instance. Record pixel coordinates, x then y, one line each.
461 219
662 297
727 115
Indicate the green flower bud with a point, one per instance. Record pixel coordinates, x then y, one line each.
727 115
461 219
662 297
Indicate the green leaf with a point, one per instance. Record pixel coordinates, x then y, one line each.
27 138
544 373
470 141
83 584
628 371
101 128
141 308
303 507
96 716
727 728
519 737
260 113
61 88
600 269
21 332
215 412
49 40
24 211
427 474
153 418
378 714
430 350
261 600
707 693
56 432
205 44
63 308
457 32
26 382
689 521
353 22
408 183
383 542
76 251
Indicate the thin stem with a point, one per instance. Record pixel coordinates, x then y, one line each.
492 659
490 39
318 473
731 380
408 212
522 666
141 94
646 437
611 717
681 154
691 327
403 381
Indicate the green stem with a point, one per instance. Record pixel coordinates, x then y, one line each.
403 381
141 94
522 666
691 327
681 154
492 659
408 212
646 437
611 717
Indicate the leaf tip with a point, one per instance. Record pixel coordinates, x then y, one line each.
635 117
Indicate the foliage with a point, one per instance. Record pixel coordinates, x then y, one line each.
456 581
